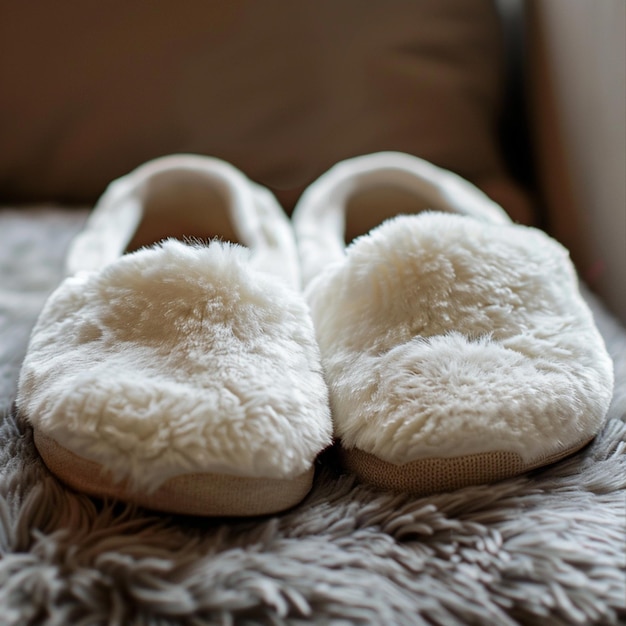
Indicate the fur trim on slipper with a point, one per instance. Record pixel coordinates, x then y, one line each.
456 345
187 362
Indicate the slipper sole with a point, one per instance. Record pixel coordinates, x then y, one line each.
432 475
205 494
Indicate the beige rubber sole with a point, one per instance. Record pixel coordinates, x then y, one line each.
433 475
188 494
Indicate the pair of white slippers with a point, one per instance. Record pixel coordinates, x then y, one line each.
443 348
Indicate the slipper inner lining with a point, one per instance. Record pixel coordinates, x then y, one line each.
187 208
367 208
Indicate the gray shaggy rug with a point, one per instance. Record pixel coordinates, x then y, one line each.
544 549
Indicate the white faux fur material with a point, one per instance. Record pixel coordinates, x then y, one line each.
178 359
445 335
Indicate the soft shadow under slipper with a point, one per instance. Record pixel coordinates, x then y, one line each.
184 377
456 345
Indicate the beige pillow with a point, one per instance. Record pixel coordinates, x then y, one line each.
281 89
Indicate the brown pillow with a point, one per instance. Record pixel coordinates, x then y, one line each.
281 89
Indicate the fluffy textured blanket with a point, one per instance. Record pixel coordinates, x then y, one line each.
547 548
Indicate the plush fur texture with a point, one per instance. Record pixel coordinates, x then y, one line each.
443 336
545 549
448 334
178 359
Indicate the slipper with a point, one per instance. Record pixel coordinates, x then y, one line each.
184 377
456 345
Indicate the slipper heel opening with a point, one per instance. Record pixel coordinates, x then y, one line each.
366 209
185 206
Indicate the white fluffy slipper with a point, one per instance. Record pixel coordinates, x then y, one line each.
456 345
184 377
